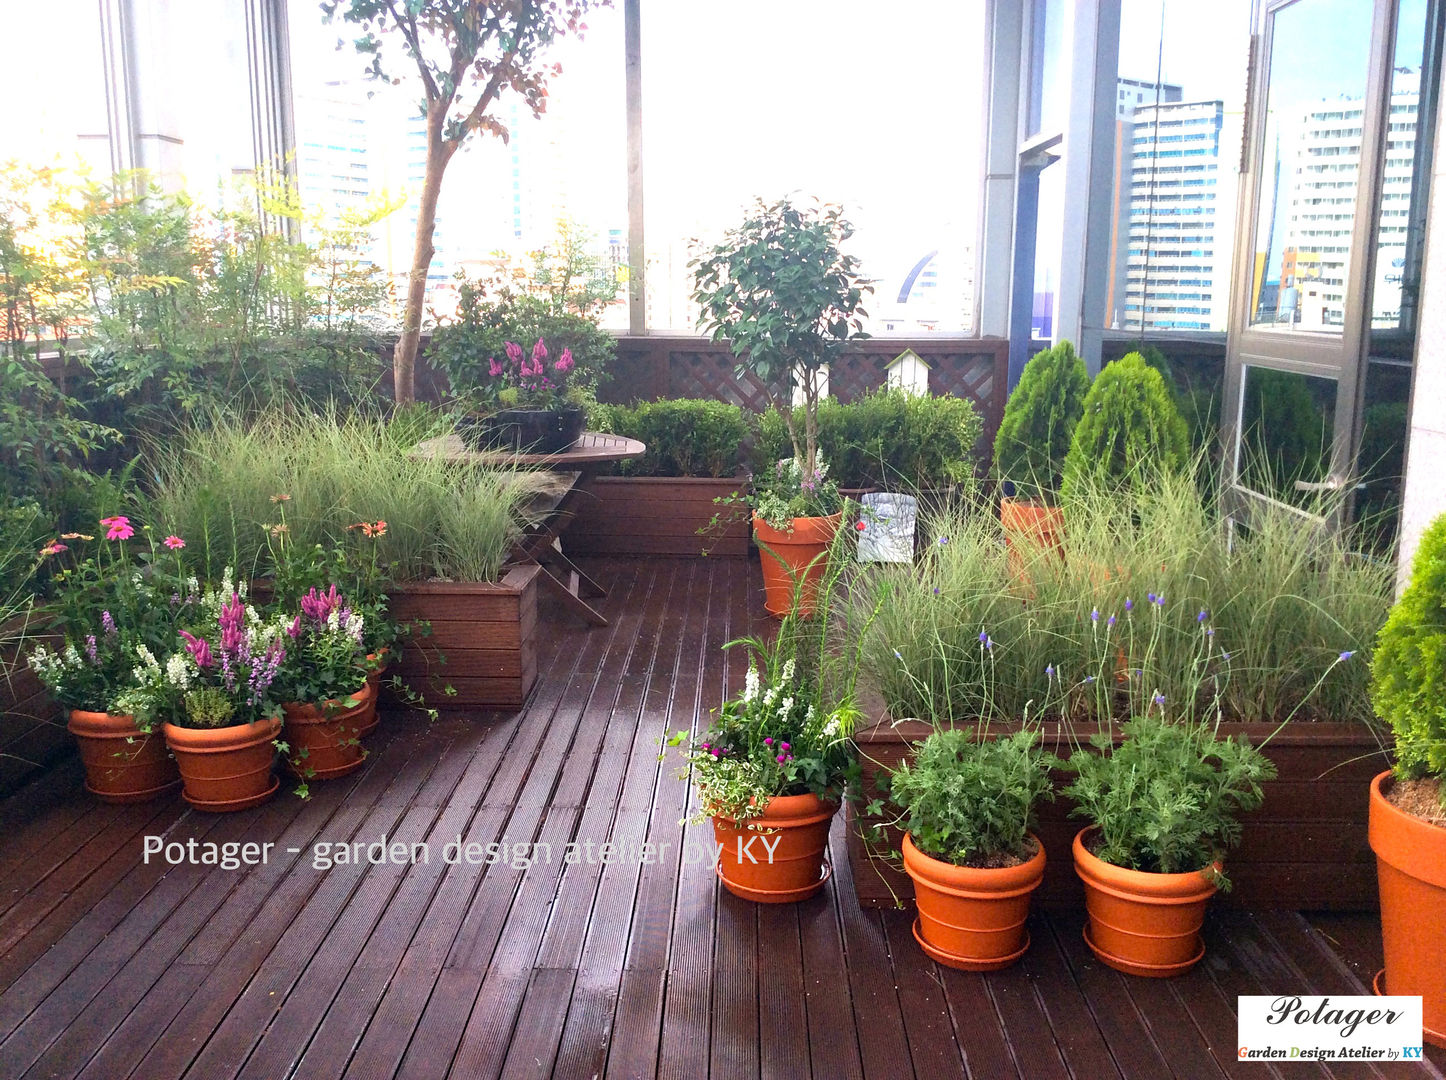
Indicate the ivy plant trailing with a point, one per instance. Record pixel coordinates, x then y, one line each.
1039 422
1130 424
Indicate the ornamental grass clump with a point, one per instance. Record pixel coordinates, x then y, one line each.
1153 609
1168 798
970 800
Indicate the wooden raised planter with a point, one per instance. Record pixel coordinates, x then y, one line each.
32 727
1305 849
657 516
482 641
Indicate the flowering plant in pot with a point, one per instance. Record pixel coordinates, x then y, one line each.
223 711
1408 803
969 802
323 686
1164 807
784 295
535 409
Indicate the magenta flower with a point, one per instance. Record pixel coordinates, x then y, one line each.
564 362
539 354
117 528
514 352
233 626
199 650
316 606
107 622
294 630
493 367
175 543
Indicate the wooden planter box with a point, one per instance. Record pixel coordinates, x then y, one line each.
482 641
1304 849
32 727
657 516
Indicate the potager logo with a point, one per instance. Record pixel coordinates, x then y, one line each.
1334 1028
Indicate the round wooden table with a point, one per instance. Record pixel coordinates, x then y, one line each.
541 544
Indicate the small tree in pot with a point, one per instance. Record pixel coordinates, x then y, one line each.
782 292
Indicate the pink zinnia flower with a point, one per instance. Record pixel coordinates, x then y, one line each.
55 547
117 528
175 543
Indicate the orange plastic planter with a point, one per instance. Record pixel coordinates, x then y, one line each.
969 918
776 858
325 740
1029 529
1142 923
1411 871
122 765
369 717
227 768
787 555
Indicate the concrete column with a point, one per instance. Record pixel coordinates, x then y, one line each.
144 130
1004 49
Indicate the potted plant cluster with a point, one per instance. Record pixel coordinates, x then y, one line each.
969 804
1034 436
781 291
1163 807
1408 803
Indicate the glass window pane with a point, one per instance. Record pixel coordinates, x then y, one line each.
1286 426
881 115
1315 105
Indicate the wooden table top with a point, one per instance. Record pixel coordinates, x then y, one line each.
591 448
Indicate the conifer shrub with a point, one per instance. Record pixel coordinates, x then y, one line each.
1039 422
1130 425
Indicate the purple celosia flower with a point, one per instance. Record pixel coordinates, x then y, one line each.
514 352
200 651
233 626
317 606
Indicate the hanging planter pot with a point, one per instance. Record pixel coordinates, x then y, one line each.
325 740
1142 923
972 918
122 763
227 768
777 857
793 555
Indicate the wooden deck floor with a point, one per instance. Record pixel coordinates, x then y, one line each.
110 968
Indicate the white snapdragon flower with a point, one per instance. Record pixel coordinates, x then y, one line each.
227 582
192 584
333 620
831 729
70 656
787 673
750 684
148 658
785 705
178 672
355 625
251 615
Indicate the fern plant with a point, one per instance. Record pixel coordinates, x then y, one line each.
1039 422
971 801
1168 799
1408 670
1130 424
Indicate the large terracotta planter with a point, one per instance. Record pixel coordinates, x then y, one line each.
788 556
1411 871
325 740
1030 528
227 768
122 765
1142 923
972 919
776 858
369 716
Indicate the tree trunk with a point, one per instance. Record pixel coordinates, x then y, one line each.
404 359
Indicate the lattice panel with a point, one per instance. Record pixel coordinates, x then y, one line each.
967 376
855 374
713 375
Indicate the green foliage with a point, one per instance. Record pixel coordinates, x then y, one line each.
209 707
570 276
970 800
684 436
465 348
781 291
1285 432
1408 672
1130 427
1168 798
1281 605
1039 421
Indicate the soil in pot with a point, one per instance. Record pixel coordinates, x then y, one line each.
122 765
227 768
790 555
969 918
776 858
1142 923
325 740
1411 872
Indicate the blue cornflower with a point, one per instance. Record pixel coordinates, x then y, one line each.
1110 621
1224 655
1348 654
1129 604
898 655
1150 597
1094 615
1202 616
983 637
943 540
1049 671
1159 698
936 590
1089 678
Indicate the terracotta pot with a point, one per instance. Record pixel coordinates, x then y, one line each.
122 765
788 555
1411 872
1142 923
776 858
370 718
970 918
1030 528
325 740
226 768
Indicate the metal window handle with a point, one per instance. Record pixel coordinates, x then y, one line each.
1333 482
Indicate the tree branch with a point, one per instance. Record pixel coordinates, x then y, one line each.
408 26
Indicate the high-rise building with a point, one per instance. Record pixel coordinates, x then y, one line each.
1177 264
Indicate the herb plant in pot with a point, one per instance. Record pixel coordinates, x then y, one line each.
1408 804
324 688
1030 447
783 294
1163 808
969 802
226 719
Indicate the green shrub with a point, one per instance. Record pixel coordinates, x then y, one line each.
1168 798
1408 672
1130 425
1039 421
1285 432
970 801
684 437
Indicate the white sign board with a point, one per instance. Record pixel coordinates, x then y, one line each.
1333 1028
